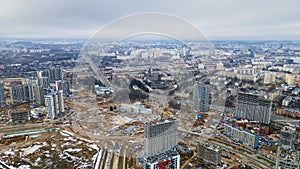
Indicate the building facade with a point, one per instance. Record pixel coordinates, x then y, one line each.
21 93
2 96
209 153
246 137
254 108
201 97
54 104
287 155
161 140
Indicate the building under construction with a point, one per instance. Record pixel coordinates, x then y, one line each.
209 153
254 107
287 155
161 141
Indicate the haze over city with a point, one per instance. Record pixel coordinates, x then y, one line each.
150 84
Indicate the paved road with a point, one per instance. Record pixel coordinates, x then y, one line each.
245 156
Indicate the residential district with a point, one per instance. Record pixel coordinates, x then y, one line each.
153 104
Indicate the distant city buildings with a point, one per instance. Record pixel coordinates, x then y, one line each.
269 78
201 97
161 140
54 104
209 153
290 79
254 107
287 155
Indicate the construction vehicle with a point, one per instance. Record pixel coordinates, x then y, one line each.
167 114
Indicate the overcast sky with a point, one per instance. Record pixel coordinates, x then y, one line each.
218 19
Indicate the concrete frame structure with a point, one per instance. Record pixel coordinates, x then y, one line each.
161 141
254 108
209 153
287 155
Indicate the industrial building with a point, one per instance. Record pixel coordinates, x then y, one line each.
254 108
287 155
2 96
201 97
161 141
54 104
209 153
19 116
246 137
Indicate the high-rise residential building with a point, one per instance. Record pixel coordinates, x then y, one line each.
60 97
287 155
38 93
254 107
269 78
161 141
44 82
201 97
44 73
63 85
21 93
58 85
209 153
2 96
66 87
160 135
54 104
55 74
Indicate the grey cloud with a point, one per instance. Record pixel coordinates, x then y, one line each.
73 19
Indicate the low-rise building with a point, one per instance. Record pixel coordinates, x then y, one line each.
244 136
19 116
